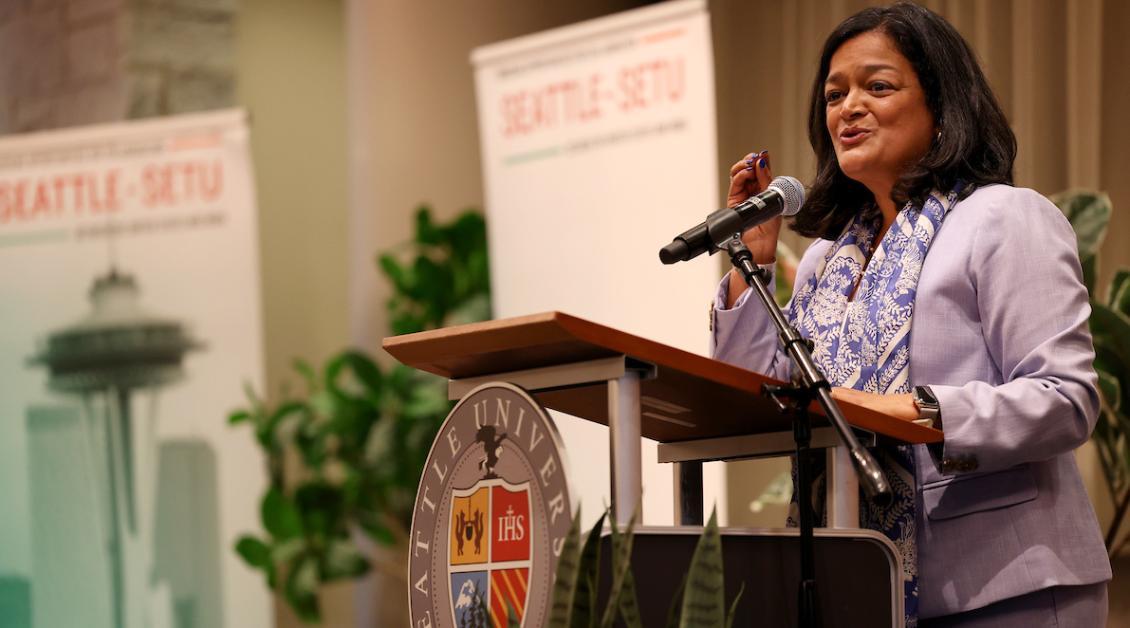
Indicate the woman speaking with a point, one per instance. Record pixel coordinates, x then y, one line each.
937 291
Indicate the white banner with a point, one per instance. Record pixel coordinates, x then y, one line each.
130 323
599 145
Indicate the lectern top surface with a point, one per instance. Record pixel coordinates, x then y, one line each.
692 396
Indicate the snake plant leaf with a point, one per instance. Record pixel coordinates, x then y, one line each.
512 617
623 583
588 576
629 603
704 601
565 579
1089 213
734 607
589 621
1119 293
676 605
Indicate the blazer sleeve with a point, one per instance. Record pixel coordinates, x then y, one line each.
744 335
1034 309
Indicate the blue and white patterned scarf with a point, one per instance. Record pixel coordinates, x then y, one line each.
863 342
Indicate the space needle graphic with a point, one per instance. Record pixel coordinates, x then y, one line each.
115 352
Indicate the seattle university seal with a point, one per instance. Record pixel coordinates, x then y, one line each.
491 515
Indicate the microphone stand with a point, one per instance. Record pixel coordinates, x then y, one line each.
811 386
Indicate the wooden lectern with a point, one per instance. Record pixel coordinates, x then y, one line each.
698 409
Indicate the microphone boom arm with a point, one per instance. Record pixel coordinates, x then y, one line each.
811 379
812 385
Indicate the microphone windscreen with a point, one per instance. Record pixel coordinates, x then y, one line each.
791 191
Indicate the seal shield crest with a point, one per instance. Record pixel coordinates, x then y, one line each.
489 552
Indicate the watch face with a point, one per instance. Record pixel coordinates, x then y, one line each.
925 395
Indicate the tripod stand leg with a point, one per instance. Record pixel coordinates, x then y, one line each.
807 602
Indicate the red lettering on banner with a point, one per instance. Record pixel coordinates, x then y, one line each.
580 100
170 184
37 200
555 104
652 83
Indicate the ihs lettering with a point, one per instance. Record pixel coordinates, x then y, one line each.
511 527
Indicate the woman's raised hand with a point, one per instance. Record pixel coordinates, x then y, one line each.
751 176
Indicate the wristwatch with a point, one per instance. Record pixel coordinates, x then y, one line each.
929 411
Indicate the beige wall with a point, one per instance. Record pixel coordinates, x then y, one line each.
290 58
290 64
413 123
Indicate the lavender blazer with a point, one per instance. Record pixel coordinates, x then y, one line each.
1000 335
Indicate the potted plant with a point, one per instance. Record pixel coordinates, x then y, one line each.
1089 213
344 456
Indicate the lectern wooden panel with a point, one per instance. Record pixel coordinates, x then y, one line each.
684 396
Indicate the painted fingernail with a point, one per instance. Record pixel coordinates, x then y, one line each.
761 163
749 167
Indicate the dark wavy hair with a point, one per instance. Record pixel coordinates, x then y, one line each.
976 145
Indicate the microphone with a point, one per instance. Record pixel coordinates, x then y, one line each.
783 197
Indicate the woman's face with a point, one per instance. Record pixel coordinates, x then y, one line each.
876 111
